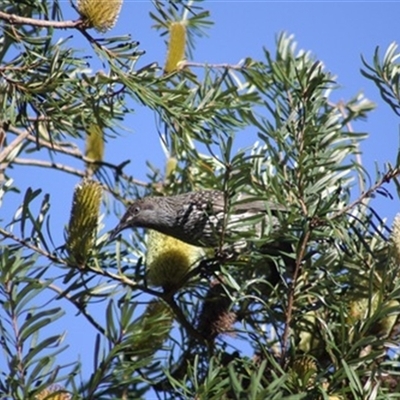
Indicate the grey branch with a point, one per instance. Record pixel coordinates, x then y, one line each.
17 20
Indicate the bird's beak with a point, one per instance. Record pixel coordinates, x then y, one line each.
114 233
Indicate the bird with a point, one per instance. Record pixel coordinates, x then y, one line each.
202 218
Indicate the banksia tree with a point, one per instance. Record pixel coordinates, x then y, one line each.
257 272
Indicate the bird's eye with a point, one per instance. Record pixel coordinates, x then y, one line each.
136 210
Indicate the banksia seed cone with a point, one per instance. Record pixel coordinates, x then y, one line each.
155 326
169 260
81 231
216 316
176 46
94 146
100 14
53 392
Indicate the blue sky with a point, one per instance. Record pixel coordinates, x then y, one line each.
337 33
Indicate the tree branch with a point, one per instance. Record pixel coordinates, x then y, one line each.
13 19
50 164
32 247
386 178
239 66
8 149
76 153
82 310
291 295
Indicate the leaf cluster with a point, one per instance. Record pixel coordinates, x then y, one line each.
308 308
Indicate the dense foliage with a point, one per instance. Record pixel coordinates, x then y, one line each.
308 311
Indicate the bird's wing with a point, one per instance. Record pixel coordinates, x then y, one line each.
247 203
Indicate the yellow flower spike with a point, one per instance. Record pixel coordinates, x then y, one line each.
309 338
100 14
170 167
168 260
305 370
156 324
360 308
94 145
395 239
54 392
386 324
81 231
176 46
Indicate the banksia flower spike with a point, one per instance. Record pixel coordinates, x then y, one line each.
360 308
308 332
395 240
155 326
169 260
54 392
170 167
94 146
100 14
385 326
304 371
81 231
176 46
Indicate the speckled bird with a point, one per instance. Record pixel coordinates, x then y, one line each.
198 218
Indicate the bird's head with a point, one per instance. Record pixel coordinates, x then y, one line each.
149 212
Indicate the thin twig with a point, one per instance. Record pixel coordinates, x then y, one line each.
291 295
180 317
15 143
82 310
32 247
17 20
76 153
120 278
340 107
49 164
385 179
184 64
